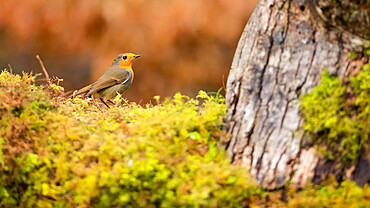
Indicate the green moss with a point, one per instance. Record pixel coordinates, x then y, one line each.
337 115
353 55
72 154
330 194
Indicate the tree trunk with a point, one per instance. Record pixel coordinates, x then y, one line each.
281 55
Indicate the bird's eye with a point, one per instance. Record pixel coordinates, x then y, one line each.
124 57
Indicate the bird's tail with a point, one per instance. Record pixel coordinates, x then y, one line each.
83 91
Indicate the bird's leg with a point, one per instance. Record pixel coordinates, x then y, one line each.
97 107
93 102
104 102
111 102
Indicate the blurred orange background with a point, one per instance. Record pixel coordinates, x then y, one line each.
185 45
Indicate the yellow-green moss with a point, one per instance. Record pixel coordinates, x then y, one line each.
337 115
74 155
71 154
330 194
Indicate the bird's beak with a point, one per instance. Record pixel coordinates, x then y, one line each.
136 56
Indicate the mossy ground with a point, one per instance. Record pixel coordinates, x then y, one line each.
73 154
337 115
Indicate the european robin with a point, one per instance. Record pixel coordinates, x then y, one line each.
116 79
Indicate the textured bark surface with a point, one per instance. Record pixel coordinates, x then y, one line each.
281 55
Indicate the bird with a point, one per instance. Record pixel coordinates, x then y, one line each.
115 80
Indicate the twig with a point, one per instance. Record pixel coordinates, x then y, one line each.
39 80
11 69
223 81
44 69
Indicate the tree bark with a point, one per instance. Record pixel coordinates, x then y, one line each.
284 48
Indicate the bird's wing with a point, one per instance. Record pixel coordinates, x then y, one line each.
121 77
81 91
